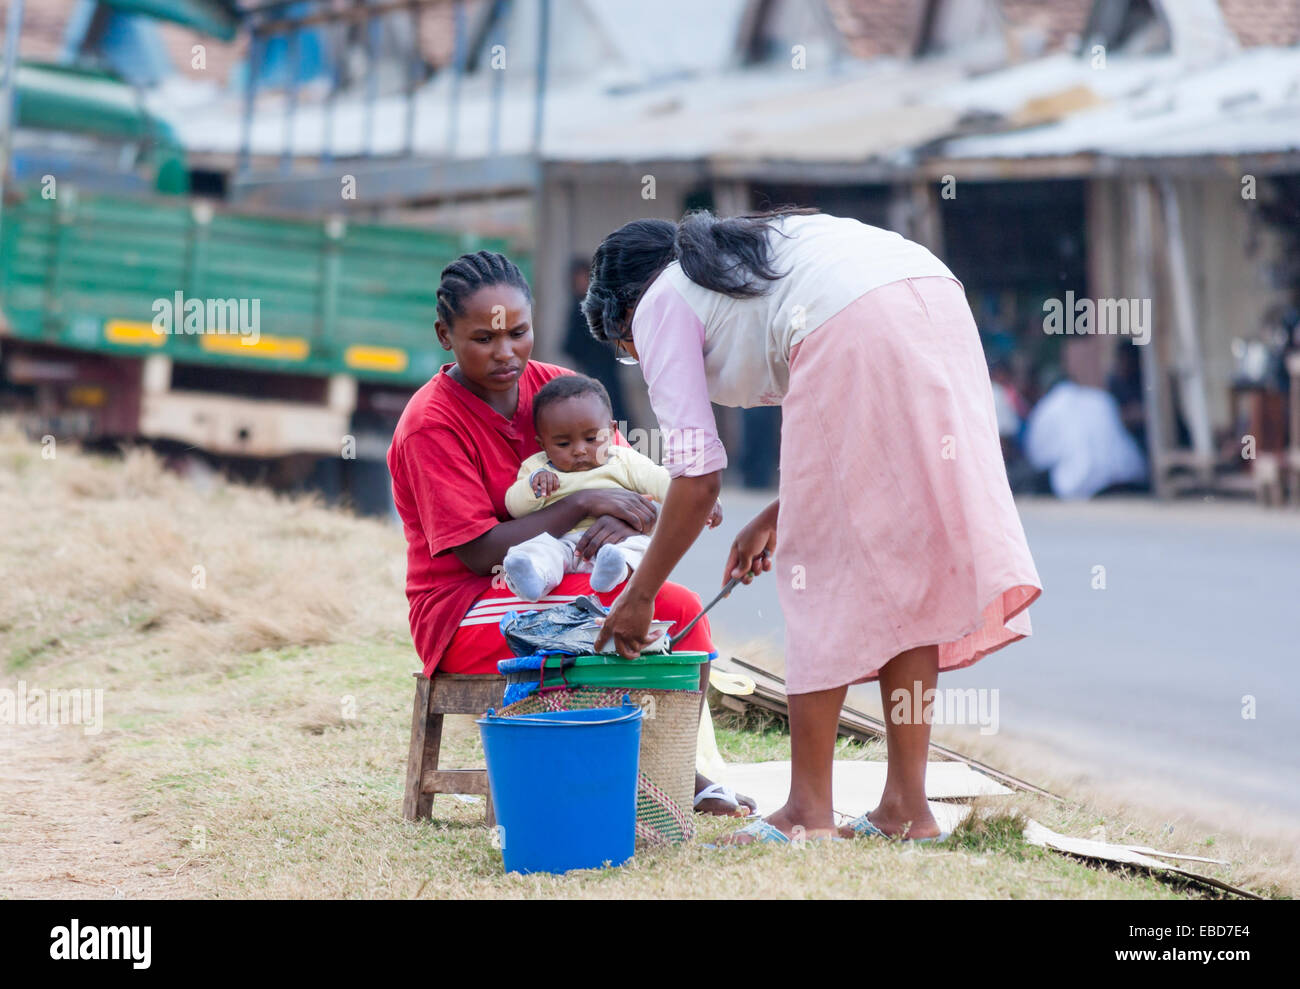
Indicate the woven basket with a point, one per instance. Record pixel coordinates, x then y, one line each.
669 733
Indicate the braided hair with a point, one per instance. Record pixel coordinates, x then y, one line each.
731 256
471 272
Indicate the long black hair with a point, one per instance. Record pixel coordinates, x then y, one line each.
730 255
471 272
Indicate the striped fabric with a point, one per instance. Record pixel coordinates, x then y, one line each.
492 610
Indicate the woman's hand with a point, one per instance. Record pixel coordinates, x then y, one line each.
627 624
605 529
689 501
752 549
637 510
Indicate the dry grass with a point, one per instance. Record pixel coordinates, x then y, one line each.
255 728
111 551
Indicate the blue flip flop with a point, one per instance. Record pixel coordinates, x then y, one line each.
763 830
863 828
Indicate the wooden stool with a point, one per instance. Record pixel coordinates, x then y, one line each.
445 693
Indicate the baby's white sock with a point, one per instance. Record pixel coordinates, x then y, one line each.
526 577
609 568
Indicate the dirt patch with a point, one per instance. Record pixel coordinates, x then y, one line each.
64 836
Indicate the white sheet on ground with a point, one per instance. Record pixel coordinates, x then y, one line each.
859 783
1037 834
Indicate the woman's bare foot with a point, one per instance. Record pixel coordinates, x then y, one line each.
719 806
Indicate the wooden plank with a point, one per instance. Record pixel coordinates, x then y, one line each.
455 781
926 210
456 694
1189 361
769 694
1130 855
1142 209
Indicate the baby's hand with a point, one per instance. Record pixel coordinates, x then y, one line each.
715 516
545 483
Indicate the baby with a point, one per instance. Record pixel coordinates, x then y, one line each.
575 429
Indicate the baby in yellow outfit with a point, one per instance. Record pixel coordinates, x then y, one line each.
575 428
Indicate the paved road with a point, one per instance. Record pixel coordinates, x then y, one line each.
1144 679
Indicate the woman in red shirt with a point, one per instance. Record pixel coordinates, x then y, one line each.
455 451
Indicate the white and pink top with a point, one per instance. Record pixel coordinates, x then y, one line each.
696 345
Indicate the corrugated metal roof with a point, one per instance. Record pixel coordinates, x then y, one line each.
1246 104
863 111
880 111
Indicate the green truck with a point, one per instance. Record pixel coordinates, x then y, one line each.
245 336
131 311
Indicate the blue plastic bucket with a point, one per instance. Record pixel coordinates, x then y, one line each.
564 786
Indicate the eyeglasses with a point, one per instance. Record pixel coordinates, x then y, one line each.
621 355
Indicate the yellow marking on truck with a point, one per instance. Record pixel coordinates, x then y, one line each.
376 358
133 334
273 348
87 395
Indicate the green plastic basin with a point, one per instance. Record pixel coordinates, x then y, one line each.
670 671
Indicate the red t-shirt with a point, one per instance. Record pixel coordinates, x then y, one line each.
453 457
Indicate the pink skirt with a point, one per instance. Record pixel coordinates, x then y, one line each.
897 528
